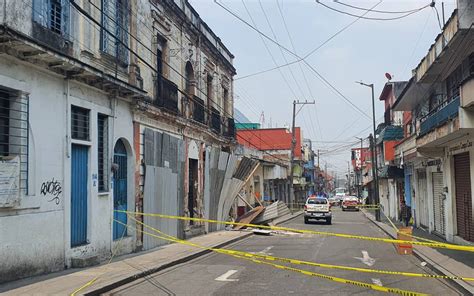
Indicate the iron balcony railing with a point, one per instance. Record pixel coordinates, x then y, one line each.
441 114
167 95
198 110
215 120
230 128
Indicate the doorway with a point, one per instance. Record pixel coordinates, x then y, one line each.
193 187
120 190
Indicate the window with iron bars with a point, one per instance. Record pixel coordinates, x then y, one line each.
14 132
80 123
52 14
115 28
102 147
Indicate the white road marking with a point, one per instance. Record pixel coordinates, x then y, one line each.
265 251
366 259
224 277
377 282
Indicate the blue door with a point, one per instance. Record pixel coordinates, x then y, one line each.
79 173
120 190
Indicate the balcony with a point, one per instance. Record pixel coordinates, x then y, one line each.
230 128
167 95
215 120
467 90
441 114
198 110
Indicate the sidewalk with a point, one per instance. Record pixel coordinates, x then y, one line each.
126 268
443 261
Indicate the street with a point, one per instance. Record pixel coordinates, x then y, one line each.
218 274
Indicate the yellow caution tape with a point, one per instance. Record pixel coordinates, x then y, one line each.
89 283
368 206
408 234
237 254
343 235
323 265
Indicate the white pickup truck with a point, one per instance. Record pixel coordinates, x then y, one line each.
317 208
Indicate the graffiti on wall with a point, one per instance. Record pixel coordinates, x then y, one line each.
52 188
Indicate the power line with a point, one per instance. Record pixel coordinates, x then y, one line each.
281 51
437 15
378 11
319 75
309 53
269 51
302 72
373 18
90 18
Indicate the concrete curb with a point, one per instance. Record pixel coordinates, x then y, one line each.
136 276
458 284
145 273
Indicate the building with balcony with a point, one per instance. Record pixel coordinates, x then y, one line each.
98 97
309 172
389 134
439 98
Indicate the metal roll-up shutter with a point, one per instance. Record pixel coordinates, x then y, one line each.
462 176
438 205
423 203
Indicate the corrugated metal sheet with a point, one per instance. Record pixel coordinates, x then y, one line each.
233 185
181 167
207 191
161 197
273 211
163 150
158 144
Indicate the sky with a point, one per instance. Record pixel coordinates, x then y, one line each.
365 51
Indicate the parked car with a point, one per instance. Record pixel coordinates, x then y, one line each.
350 203
317 208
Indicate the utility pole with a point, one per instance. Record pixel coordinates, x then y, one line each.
293 145
349 177
318 158
326 177
374 155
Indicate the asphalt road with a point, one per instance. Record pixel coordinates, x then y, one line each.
218 274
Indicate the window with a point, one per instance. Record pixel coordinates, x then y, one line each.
80 123
225 103
102 153
209 90
52 14
471 64
453 82
14 132
114 34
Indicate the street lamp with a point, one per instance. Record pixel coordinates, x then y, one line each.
374 156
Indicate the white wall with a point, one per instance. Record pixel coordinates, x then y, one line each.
35 236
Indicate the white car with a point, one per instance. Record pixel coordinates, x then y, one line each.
317 208
350 202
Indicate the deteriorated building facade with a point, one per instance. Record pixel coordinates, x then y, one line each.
107 107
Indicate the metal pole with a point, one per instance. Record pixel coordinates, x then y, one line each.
360 169
292 153
293 145
377 200
442 11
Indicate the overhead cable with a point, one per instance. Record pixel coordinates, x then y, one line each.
372 18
